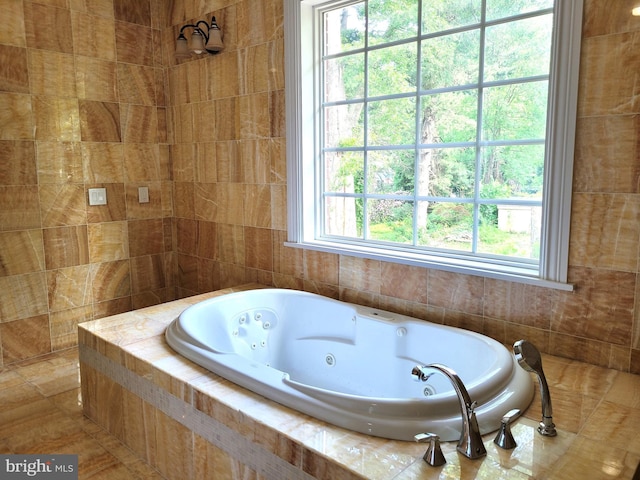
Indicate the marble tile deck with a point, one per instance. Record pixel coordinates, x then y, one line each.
596 410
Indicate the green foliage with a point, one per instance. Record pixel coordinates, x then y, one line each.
498 242
512 112
489 213
444 215
389 210
396 232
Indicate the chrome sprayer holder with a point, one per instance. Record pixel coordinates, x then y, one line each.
529 358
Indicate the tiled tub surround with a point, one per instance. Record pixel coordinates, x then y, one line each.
189 423
217 216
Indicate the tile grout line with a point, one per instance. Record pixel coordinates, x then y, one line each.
236 445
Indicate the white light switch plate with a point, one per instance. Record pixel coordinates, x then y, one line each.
143 194
97 196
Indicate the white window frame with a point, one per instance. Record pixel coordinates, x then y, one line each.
301 82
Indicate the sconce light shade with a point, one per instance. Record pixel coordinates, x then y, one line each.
214 44
636 12
182 47
197 41
203 39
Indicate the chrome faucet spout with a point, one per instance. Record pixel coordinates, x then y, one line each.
470 443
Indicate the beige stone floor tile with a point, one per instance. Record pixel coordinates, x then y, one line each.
70 402
5 449
615 426
54 374
9 379
587 459
24 407
27 417
117 471
625 391
59 357
41 412
39 428
143 471
20 396
95 461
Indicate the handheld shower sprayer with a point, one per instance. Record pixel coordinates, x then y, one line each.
529 358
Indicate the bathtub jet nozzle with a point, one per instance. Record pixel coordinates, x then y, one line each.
529 358
419 374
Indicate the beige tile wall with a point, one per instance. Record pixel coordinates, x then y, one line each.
76 113
82 105
226 126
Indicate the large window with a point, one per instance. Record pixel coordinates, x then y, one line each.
437 133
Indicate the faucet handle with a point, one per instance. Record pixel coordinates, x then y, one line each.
504 438
433 456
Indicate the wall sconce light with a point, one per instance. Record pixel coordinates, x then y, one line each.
203 39
636 11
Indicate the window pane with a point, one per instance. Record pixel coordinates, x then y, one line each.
449 117
341 216
344 172
451 60
515 171
515 112
390 220
507 8
344 78
447 172
392 122
511 230
344 29
518 49
343 126
446 225
391 171
391 21
445 15
426 151
392 70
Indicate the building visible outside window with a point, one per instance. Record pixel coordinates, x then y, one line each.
437 133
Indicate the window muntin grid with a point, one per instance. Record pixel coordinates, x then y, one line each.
349 209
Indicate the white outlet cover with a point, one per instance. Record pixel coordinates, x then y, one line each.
97 196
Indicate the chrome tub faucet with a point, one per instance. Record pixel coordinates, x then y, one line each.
470 443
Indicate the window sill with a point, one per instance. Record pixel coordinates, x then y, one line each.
496 271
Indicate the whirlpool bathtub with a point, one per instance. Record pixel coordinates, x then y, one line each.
350 365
